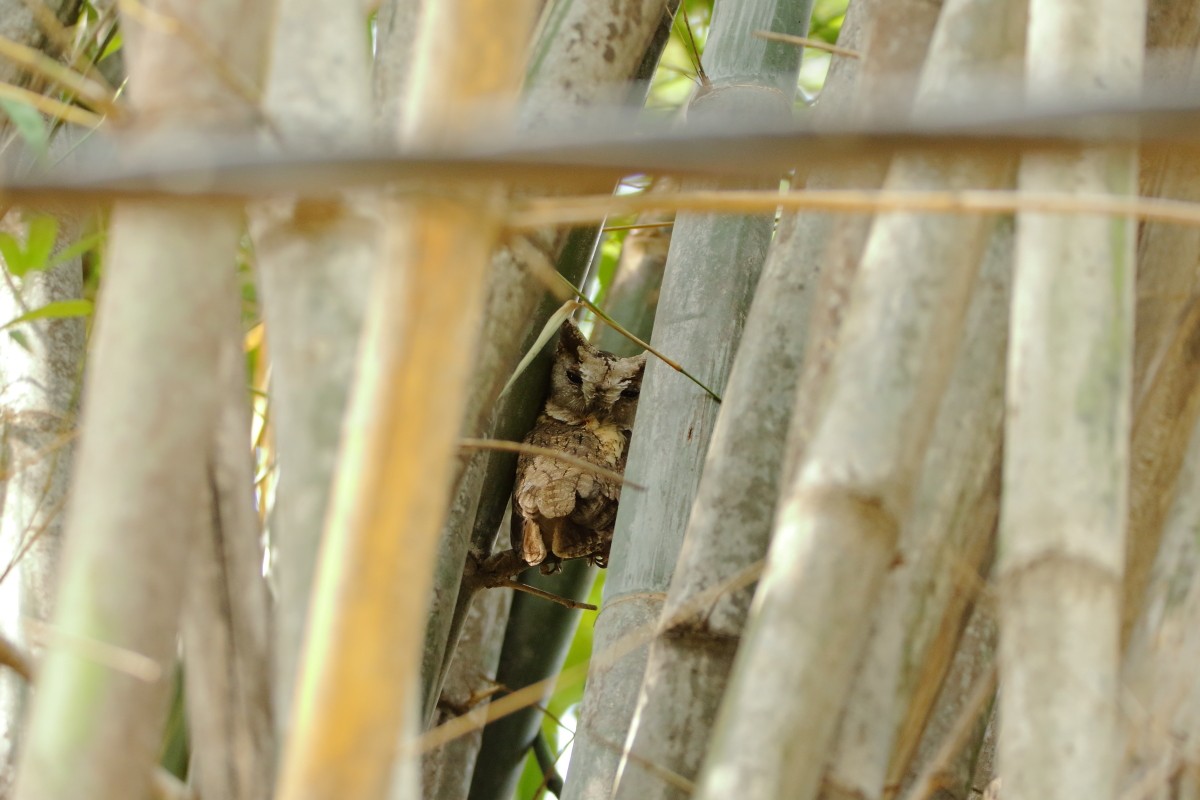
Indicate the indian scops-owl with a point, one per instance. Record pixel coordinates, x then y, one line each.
559 510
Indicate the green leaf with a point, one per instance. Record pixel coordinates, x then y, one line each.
20 338
30 124
10 249
35 254
60 309
43 233
89 242
531 778
113 45
552 326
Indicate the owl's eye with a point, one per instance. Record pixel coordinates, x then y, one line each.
574 377
631 392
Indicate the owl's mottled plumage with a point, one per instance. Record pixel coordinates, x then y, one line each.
559 510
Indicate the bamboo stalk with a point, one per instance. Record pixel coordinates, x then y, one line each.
701 328
839 520
576 61
315 260
1164 372
1161 708
151 399
226 626
688 667
949 532
362 654
1066 455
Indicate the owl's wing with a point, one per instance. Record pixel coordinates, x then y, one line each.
549 487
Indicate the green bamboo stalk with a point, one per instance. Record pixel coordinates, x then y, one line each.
712 268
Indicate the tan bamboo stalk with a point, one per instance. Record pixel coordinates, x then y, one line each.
1161 704
1166 289
315 261
226 615
395 24
896 37
945 543
950 748
839 521
1165 278
1066 455
151 399
949 533
362 651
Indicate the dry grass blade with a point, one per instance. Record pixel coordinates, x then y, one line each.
539 212
927 780
637 226
50 106
548 330
94 94
612 323
121 659
12 657
668 776
804 41
558 455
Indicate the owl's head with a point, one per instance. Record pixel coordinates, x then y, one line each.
586 382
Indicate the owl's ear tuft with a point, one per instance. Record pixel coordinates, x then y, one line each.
571 338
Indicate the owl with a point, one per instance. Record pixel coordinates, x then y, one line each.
559 510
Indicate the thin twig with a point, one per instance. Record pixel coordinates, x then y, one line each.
50 106
37 62
541 212
573 676
110 655
566 602
499 571
928 780
12 657
804 41
545 759
669 776
701 75
557 455
638 226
